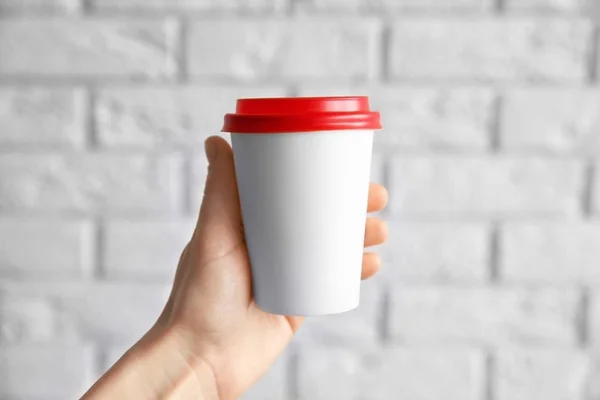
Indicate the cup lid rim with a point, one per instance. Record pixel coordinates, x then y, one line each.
301 114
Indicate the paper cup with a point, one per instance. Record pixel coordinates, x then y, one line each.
303 196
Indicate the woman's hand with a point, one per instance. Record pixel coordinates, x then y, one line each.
211 340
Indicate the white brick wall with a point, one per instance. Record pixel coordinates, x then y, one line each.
103 312
41 6
42 116
551 253
87 182
44 372
152 254
556 120
166 116
276 49
101 47
62 248
440 185
547 5
27 320
542 374
545 50
353 374
490 287
437 252
184 5
383 6
490 316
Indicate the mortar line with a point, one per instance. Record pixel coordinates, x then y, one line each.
183 73
490 372
587 195
293 90
187 177
594 54
132 80
495 125
499 6
91 132
183 77
385 172
89 248
582 320
99 267
384 48
100 359
494 253
293 7
383 328
293 387
386 179
85 7
288 12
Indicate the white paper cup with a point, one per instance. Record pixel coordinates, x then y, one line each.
304 201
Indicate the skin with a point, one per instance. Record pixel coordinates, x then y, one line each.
211 341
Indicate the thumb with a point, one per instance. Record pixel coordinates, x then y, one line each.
219 227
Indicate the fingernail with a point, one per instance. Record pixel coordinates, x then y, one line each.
211 149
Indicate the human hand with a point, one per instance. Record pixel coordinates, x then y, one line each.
217 329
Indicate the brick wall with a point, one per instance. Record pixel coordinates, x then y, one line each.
491 283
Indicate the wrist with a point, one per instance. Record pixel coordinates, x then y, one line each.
161 366
189 374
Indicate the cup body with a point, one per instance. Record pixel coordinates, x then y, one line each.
304 200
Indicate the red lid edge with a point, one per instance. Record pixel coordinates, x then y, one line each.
234 123
302 114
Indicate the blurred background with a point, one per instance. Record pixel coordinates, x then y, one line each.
490 151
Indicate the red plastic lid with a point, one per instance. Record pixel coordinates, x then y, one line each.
301 114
